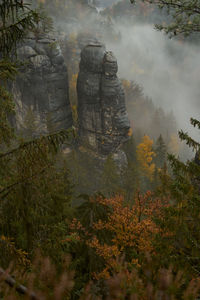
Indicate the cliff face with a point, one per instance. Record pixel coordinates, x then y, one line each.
103 119
42 85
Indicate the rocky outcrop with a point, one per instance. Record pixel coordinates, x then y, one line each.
42 85
103 119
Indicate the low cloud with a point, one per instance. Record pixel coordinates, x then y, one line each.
168 69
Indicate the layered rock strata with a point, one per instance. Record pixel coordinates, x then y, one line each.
42 85
103 121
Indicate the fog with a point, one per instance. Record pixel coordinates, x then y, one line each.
105 3
167 69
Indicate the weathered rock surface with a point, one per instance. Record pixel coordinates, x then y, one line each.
42 85
103 119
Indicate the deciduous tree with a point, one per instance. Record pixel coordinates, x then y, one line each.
123 231
145 156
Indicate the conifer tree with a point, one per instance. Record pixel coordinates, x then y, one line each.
185 16
110 178
182 218
161 152
130 174
131 181
130 149
15 19
31 185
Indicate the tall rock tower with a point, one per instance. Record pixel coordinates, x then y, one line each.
42 85
103 120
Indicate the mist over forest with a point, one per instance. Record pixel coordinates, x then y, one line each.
166 69
99 149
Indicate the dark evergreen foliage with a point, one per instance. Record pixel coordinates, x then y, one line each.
182 218
161 152
16 18
36 195
185 16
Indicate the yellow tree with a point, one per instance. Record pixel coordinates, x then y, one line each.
145 156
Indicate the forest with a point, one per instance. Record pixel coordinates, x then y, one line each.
99 150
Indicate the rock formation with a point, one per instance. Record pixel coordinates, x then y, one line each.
42 85
103 119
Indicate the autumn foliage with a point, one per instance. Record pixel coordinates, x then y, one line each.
127 231
145 156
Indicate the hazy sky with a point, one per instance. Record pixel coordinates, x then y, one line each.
168 70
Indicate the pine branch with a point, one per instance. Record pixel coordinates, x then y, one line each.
8 70
52 141
11 8
189 168
13 33
195 123
5 191
176 164
189 141
6 109
185 16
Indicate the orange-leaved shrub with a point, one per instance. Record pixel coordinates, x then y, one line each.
127 231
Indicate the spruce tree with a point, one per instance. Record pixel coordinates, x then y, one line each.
161 152
34 192
179 241
130 176
110 178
